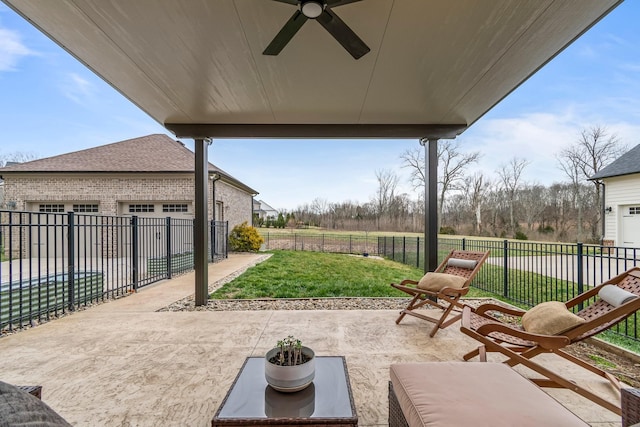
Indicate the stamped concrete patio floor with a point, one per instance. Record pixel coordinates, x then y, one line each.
123 363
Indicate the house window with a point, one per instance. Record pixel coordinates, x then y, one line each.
49 207
141 208
85 208
175 207
219 211
634 210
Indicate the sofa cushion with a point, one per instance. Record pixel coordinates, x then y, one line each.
474 394
550 318
19 408
435 281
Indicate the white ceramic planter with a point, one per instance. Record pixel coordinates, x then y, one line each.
290 378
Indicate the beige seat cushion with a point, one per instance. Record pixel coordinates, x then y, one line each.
550 318
435 281
475 394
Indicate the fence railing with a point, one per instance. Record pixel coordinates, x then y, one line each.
527 273
51 263
325 242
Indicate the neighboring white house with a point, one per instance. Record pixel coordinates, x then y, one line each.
622 200
265 211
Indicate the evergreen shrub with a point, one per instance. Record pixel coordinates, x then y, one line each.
245 238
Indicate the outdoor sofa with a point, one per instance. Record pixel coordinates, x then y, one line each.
479 394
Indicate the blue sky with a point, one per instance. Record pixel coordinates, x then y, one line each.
51 104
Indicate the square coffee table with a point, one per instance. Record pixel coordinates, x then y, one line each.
251 401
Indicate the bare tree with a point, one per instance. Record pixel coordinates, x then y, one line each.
593 149
474 189
569 163
413 159
510 175
385 195
451 165
16 156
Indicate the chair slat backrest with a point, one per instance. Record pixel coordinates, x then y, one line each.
467 273
599 308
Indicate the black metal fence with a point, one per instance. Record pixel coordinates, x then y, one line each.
51 263
527 273
325 242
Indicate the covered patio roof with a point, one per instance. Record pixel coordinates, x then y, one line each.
197 67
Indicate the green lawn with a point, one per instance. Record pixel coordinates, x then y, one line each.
298 274
289 274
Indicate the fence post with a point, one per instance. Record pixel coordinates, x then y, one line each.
168 246
134 251
393 248
322 250
464 244
295 242
350 251
404 249
418 252
505 271
579 264
212 240
71 261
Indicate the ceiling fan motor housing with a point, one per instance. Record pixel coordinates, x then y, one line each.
312 8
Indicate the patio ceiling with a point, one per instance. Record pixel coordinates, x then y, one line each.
196 66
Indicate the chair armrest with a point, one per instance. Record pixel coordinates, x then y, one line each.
630 406
408 282
545 341
482 309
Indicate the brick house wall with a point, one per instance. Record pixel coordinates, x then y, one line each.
112 192
237 205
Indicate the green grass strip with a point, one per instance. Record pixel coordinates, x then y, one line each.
289 274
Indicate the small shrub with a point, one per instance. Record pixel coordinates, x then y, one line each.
520 236
447 230
245 238
547 229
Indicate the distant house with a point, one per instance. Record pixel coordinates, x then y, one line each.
264 211
150 176
622 199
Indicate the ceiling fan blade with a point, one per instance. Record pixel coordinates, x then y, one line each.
293 2
286 33
336 3
343 34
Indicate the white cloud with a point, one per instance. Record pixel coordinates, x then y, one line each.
539 138
536 137
11 49
77 88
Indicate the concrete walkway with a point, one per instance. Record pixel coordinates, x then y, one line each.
123 363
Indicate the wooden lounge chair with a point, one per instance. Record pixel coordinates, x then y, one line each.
520 345
465 264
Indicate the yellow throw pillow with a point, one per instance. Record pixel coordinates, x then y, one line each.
435 281
550 318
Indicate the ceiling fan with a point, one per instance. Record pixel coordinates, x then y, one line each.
320 10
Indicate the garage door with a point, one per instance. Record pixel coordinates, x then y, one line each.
631 226
152 231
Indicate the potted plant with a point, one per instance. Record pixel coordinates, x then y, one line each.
290 366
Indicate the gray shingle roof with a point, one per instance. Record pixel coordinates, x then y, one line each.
151 153
626 164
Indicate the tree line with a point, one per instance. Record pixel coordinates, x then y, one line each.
501 205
